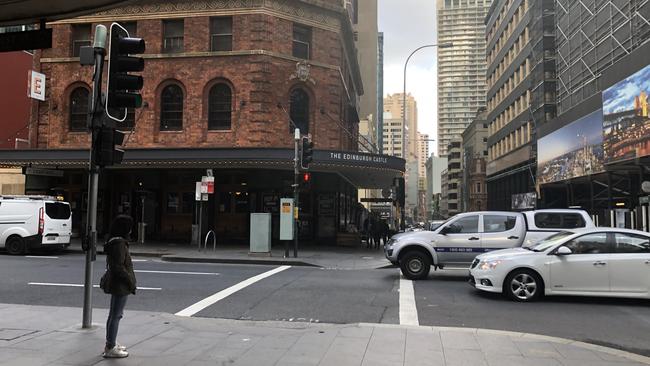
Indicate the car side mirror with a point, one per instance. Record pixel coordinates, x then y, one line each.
445 230
563 251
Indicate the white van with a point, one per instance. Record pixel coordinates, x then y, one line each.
31 222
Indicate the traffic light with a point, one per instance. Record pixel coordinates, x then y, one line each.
307 153
122 88
108 147
305 179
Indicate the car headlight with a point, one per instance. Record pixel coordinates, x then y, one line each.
487 265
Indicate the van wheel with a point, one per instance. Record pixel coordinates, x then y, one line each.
415 265
15 245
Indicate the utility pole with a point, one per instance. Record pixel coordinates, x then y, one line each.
99 52
296 191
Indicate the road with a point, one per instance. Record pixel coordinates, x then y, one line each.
306 294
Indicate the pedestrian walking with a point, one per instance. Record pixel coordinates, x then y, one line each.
119 281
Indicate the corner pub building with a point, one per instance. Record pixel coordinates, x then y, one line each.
223 79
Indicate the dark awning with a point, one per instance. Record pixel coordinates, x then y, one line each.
32 11
363 170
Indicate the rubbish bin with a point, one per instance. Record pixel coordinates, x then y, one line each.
260 234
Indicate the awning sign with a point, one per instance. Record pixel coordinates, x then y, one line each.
36 88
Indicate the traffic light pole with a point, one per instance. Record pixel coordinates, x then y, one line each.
93 181
296 192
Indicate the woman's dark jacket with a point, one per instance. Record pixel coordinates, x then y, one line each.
119 263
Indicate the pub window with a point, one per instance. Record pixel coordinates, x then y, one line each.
299 110
171 108
221 34
173 36
219 107
80 37
301 41
79 109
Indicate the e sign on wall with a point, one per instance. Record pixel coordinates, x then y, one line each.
36 88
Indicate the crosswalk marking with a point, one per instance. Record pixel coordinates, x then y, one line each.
81 285
213 299
408 312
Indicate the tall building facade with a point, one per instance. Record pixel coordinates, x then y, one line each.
393 136
394 104
380 91
603 67
521 93
461 68
224 84
454 187
364 22
474 192
434 168
423 155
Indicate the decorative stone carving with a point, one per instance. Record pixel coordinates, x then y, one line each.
303 72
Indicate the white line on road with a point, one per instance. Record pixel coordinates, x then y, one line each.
79 285
139 260
176 272
408 312
211 300
41 257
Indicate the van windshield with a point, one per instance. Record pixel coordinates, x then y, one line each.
57 210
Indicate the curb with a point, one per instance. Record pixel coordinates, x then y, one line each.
570 342
281 262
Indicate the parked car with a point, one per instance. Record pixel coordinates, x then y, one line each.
29 222
585 262
460 239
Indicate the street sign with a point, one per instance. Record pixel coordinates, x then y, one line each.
204 196
43 172
210 183
208 172
197 191
36 85
644 200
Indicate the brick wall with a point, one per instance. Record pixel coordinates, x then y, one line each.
259 83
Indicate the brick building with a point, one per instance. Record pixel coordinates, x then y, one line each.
223 80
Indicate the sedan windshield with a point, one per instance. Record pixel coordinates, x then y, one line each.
550 241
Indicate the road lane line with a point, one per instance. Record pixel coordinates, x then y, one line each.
176 272
41 257
80 285
139 260
408 312
211 300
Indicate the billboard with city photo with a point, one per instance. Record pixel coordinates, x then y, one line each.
574 150
626 125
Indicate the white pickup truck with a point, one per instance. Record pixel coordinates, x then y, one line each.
461 238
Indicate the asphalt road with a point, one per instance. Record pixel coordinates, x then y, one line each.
329 296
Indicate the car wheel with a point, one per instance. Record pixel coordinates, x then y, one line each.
415 265
15 245
523 285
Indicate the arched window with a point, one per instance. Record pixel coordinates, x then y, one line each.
299 110
79 108
220 107
171 108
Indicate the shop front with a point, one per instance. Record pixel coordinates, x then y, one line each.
157 187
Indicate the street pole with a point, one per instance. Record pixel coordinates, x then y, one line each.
93 182
296 191
405 153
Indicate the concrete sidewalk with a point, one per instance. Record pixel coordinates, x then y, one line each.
39 335
330 257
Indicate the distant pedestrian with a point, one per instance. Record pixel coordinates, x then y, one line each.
120 281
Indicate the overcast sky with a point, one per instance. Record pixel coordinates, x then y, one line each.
407 25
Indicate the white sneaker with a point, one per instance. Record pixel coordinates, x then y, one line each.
115 352
120 347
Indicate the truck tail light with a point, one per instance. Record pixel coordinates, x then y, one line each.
41 221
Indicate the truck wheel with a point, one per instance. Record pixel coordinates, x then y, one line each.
523 285
15 245
415 265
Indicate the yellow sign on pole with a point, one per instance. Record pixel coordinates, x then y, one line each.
295 213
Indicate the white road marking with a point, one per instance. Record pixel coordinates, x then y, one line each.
408 312
139 260
211 300
175 272
80 285
41 257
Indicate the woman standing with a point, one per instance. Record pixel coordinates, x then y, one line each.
122 281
